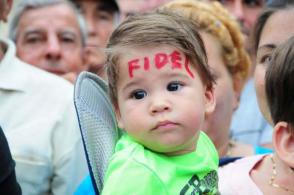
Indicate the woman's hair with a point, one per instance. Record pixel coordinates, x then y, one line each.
279 83
273 7
213 18
151 30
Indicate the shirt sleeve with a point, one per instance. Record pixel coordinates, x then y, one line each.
70 165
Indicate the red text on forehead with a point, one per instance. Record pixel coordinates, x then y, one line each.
160 60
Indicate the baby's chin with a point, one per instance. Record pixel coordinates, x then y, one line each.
171 150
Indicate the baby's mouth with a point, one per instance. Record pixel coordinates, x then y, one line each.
165 125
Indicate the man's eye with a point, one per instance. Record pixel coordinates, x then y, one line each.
33 39
67 40
102 15
253 3
67 37
174 86
139 94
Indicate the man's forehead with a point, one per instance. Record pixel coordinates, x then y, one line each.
40 30
62 9
38 19
104 5
56 13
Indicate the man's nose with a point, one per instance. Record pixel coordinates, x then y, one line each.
238 11
53 50
91 26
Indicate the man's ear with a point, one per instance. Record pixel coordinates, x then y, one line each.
6 10
283 141
209 100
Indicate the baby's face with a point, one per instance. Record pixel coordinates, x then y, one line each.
161 99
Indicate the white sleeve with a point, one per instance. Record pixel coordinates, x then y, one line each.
69 160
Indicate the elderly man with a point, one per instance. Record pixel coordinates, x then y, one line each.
38 118
101 17
51 35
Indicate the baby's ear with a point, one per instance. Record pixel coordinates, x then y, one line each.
209 99
283 140
118 118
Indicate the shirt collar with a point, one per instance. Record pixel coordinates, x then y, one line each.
12 75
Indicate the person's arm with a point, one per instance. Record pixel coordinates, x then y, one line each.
8 183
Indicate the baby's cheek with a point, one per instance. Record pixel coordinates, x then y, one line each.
196 120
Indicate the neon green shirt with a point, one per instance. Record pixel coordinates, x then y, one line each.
136 170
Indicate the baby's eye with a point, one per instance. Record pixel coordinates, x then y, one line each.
138 94
174 86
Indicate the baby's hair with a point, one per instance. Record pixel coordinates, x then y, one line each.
280 83
213 18
150 30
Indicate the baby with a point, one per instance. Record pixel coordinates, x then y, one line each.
162 90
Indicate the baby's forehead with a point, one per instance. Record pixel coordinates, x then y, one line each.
135 61
130 53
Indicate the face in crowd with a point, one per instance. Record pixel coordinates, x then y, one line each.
50 38
5 6
245 11
100 18
218 123
271 36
